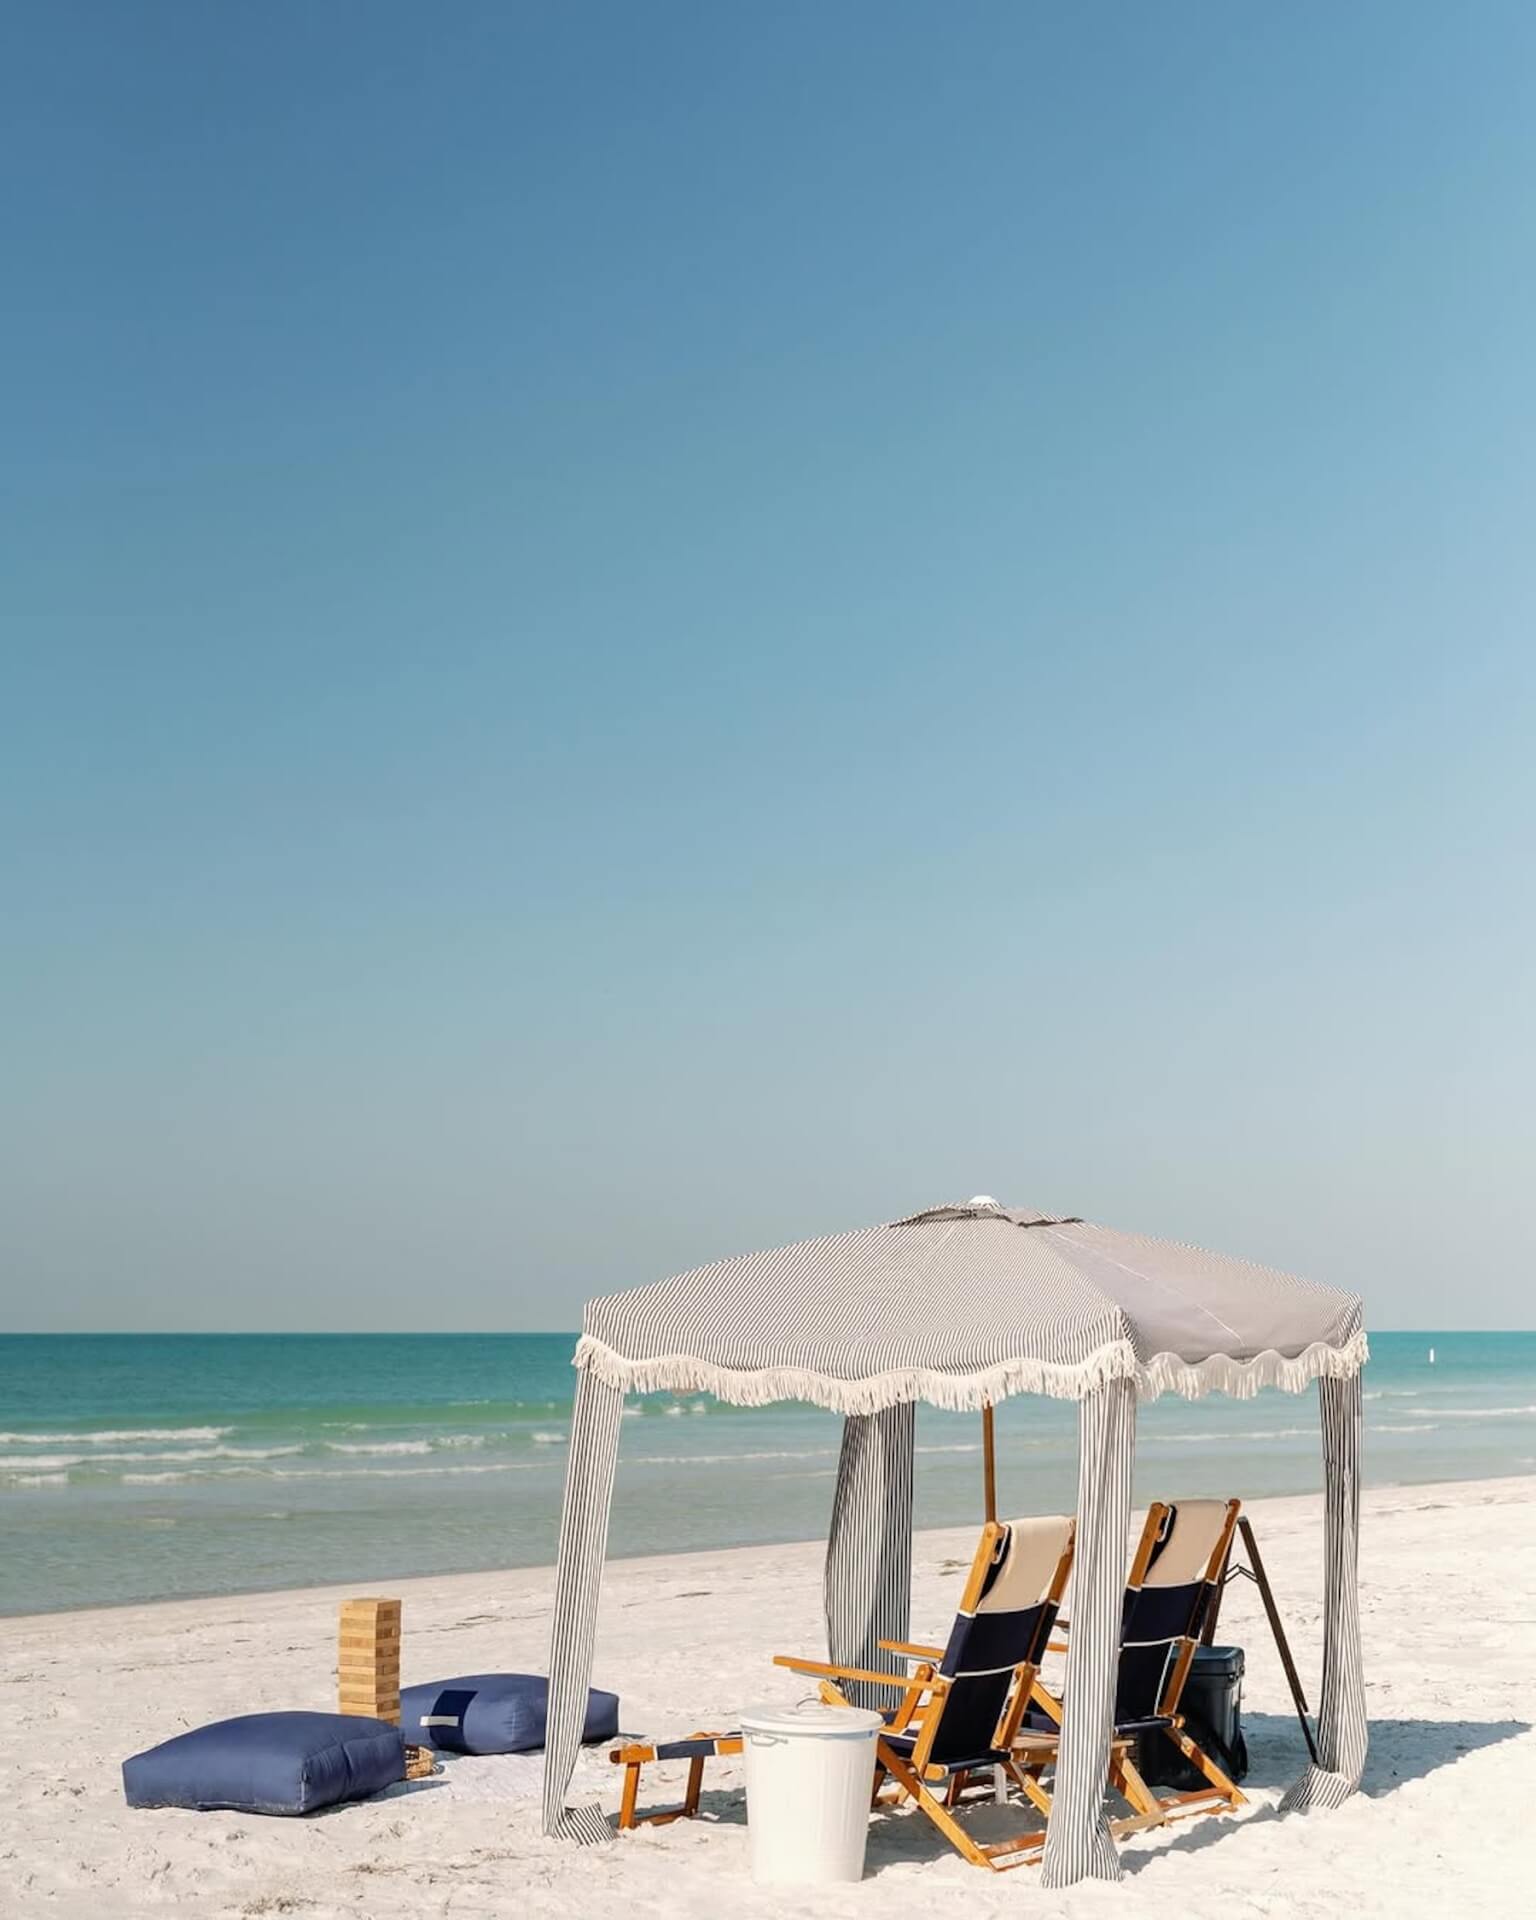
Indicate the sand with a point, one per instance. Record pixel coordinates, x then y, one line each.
1449 1598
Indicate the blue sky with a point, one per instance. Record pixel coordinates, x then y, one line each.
630 632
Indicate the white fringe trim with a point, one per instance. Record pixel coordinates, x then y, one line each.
1242 1379
965 1393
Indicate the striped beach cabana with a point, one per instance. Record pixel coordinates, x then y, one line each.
960 1306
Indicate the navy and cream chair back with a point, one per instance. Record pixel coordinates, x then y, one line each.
1177 1571
958 1710
1006 1615
1173 1582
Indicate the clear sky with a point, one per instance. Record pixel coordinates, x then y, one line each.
633 631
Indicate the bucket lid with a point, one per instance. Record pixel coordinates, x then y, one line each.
814 1719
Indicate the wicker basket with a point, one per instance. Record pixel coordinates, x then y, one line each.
420 1763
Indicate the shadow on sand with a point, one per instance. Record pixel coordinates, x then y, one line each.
1400 1751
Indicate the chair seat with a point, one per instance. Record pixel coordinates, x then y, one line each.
695 1749
1037 1720
903 1743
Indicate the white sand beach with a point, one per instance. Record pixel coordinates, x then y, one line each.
1447 1578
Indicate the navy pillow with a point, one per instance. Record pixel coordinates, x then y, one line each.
493 1713
269 1763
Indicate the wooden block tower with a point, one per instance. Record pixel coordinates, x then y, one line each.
368 1659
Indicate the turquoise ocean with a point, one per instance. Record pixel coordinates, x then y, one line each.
135 1467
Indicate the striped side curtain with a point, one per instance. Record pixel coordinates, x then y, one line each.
594 1448
868 1591
1077 1838
1341 1725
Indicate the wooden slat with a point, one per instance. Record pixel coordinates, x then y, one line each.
368 1658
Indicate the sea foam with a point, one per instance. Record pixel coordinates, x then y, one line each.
115 1437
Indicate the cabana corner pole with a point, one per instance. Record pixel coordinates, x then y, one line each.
593 1453
1078 1845
868 1585
1342 1734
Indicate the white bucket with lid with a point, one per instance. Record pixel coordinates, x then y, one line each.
810 1775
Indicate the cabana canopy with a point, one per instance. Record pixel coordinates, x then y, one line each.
961 1306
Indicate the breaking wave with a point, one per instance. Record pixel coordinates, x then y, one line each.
116 1437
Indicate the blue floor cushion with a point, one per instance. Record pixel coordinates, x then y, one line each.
493 1713
269 1763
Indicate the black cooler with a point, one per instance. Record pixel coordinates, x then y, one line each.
1212 1707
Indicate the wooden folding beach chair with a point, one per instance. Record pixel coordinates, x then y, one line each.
1175 1578
961 1705
695 1749
970 1695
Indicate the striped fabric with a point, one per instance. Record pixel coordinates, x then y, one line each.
960 1306
963 1305
1078 1845
1341 1724
868 1593
594 1451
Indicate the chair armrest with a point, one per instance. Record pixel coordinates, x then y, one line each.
824 1669
1057 1646
911 1650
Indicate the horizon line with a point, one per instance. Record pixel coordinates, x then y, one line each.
437 1333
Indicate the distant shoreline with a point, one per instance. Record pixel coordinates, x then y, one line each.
1511 1489
152 1467
687 1639
1495 1489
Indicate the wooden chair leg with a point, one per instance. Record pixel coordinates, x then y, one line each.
1125 1778
630 1795
695 1782
1198 1757
939 1814
1029 1785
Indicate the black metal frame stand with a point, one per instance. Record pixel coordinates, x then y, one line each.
1254 1571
